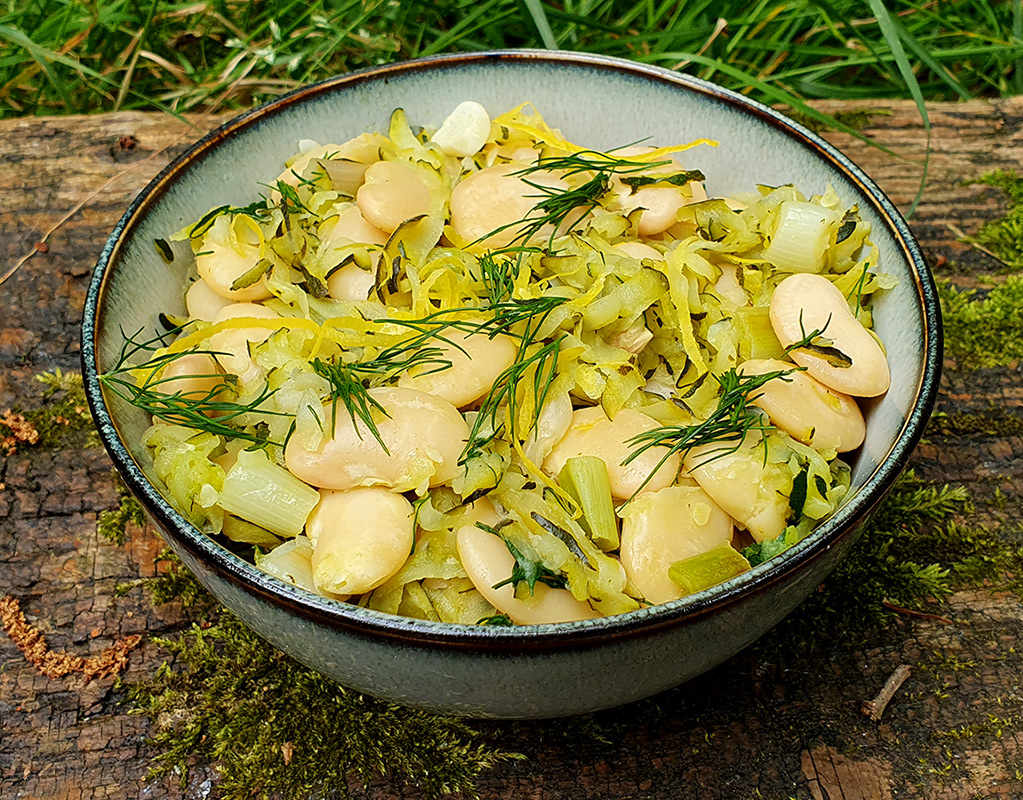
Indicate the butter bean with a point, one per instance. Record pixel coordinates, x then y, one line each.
806 409
660 528
639 251
487 561
226 255
392 193
754 495
593 434
805 302
351 226
194 375
360 538
424 435
351 282
495 197
481 510
232 345
202 302
476 362
465 131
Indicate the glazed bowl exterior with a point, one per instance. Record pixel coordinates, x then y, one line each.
547 670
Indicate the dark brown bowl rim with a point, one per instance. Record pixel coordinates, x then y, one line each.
645 622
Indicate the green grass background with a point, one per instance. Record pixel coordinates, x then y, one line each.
70 56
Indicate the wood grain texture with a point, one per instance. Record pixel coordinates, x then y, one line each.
748 729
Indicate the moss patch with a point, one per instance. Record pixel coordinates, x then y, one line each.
983 329
276 728
1004 237
64 416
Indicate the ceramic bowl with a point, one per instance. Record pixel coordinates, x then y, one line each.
547 670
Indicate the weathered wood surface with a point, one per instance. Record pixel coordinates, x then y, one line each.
745 730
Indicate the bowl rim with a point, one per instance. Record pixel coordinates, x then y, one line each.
365 622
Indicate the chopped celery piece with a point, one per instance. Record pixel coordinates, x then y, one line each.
708 569
800 242
585 478
756 334
266 495
239 530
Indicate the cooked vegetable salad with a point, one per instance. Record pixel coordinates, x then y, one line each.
483 375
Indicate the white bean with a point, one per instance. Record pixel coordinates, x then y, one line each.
465 131
639 251
476 362
351 226
424 435
351 282
749 491
660 528
392 193
593 434
232 345
806 409
202 302
360 537
487 561
803 303
194 375
495 197
227 252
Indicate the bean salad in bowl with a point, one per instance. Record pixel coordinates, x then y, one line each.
488 378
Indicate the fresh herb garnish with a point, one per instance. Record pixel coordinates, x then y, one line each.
532 572
554 204
728 425
349 383
207 410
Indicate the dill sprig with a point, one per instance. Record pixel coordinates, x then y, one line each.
498 269
555 205
350 382
206 411
728 425
525 569
541 361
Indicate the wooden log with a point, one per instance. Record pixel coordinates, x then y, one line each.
747 729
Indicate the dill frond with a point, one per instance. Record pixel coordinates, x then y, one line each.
350 383
728 425
207 411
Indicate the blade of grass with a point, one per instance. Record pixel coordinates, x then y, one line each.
890 31
538 17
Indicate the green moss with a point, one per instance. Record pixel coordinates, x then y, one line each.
996 422
276 728
113 524
983 330
1004 237
65 413
175 582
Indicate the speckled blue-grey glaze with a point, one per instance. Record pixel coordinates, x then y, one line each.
601 102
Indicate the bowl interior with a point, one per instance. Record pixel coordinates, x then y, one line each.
596 102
